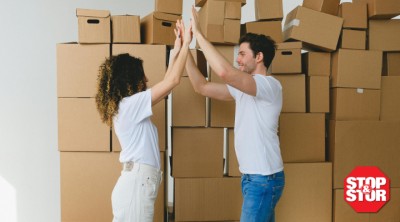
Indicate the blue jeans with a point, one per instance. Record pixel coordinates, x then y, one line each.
260 195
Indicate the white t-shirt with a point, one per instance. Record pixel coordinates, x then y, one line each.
135 131
256 126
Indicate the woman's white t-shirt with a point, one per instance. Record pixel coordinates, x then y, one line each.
135 131
256 126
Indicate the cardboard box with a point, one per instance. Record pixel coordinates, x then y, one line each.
356 69
307 194
354 15
391 210
390 101
317 99
78 68
125 28
94 26
383 35
273 29
169 6
325 6
188 107
87 181
355 104
197 152
233 164
353 39
159 119
200 61
302 137
316 63
364 143
287 58
268 9
158 28
80 127
393 63
200 3
317 30
294 92
220 21
378 9
207 199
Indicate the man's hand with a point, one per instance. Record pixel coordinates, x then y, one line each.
195 22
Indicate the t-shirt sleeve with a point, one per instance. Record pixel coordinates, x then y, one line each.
267 88
232 91
140 106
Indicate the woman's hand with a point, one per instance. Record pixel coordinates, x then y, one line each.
178 38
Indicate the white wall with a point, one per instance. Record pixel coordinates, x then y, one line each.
29 160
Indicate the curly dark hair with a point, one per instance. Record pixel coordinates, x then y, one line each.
119 76
260 43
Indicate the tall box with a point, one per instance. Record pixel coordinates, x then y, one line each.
94 26
384 35
169 6
158 28
294 92
354 15
80 127
325 6
355 104
302 137
207 199
316 63
200 3
268 9
273 29
78 67
307 194
317 30
125 28
364 143
188 107
356 69
378 9
287 58
353 39
390 98
233 164
317 99
197 152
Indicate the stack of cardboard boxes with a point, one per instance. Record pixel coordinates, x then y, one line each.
89 148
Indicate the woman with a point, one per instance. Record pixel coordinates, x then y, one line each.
124 101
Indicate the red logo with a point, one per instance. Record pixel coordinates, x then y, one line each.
366 189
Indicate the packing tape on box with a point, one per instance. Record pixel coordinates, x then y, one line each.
294 22
359 90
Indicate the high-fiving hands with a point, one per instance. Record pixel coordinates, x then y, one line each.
183 35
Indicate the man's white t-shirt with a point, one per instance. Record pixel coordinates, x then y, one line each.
136 133
256 126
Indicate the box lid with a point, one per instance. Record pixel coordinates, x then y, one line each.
289 45
166 17
92 13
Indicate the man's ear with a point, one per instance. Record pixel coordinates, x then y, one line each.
260 57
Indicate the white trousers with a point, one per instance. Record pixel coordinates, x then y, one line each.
135 192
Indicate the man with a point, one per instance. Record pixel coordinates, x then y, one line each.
258 100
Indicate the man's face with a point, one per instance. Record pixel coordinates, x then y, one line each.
245 59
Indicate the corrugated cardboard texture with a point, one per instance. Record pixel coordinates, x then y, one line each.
316 63
390 98
293 93
354 15
378 9
169 6
80 127
302 137
353 39
125 29
207 199
188 107
273 29
364 143
384 35
317 94
355 104
78 67
287 58
197 152
94 26
233 165
268 9
307 195
325 6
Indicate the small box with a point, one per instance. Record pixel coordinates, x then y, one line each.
317 30
169 6
158 28
353 39
354 15
273 29
317 94
94 26
356 69
355 104
390 98
381 9
316 63
294 92
125 28
384 35
268 9
200 3
325 6
287 58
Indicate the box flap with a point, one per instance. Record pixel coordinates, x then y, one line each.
92 13
166 17
289 45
